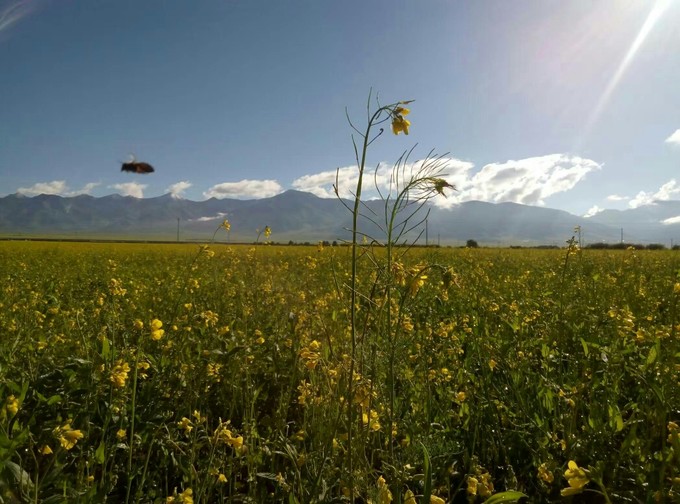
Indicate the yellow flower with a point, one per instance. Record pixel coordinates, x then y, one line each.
156 324
485 485
384 494
226 225
409 498
436 500
472 485
267 231
12 405
46 450
119 373
461 396
138 324
400 124
545 474
492 364
143 367
67 437
185 497
221 478
185 424
157 334
577 478
121 434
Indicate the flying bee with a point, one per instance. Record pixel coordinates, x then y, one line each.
135 166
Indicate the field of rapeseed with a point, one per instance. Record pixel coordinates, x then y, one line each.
173 373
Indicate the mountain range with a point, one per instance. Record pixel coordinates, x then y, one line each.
301 217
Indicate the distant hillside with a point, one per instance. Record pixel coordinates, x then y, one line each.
300 216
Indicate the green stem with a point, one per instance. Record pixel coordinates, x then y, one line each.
132 428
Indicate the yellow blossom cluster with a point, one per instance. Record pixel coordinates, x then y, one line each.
399 124
119 373
545 474
577 477
156 329
223 434
185 497
310 354
480 484
67 436
12 405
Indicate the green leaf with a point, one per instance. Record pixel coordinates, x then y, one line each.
505 497
651 357
100 452
21 477
584 344
427 489
106 348
54 400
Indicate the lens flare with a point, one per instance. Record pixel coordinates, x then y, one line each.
11 14
652 18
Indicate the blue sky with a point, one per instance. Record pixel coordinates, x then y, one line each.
572 105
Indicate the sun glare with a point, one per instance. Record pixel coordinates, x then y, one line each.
653 17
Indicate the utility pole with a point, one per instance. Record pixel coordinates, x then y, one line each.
177 229
426 230
621 235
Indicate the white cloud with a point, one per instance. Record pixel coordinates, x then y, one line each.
674 138
54 187
219 216
529 181
57 187
321 184
130 189
616 197
594 210
665 192
245 189
87 189
671 220
177 190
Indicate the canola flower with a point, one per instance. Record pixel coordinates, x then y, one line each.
384 494
67 436
224 435
156 331
545 474
186 425
399 124
577 477
119 373
186 497
12 405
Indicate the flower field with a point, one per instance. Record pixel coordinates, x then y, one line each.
179 373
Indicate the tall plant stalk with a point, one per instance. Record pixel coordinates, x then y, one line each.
405 190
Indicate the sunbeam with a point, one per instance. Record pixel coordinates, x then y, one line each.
652 18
